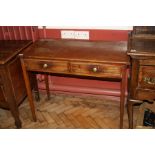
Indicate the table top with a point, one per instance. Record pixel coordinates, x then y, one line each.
10 48
96 51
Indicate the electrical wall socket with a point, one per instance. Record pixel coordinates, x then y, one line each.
68 34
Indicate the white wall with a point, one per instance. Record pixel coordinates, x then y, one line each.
91 27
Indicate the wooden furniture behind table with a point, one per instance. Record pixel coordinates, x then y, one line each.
12 86
89 59
142 52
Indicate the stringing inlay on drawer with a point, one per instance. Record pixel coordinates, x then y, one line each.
96 69
47 65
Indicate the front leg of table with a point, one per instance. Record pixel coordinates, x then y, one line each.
28 88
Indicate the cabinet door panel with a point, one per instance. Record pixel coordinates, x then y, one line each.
17 79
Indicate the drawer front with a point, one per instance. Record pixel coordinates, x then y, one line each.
144 94
96 70
147 62
47 65
146 79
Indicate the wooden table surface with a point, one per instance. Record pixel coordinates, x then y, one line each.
97 51
10 48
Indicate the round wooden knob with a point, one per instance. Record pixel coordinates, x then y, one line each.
94 69
45 66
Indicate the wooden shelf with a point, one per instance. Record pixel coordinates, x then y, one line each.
144 36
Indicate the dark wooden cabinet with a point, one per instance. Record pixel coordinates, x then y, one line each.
12 86
141 49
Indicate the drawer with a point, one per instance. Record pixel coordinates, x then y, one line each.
96 69
52 66
147 61
146 79
144 94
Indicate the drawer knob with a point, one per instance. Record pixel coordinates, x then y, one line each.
94 69
149 80
45 66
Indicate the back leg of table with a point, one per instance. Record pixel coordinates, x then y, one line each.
130 113
47 86
34 83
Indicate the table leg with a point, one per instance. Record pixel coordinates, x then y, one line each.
14 110
28 88
15 113
130 113
35 86
47 86
11 99
122 95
